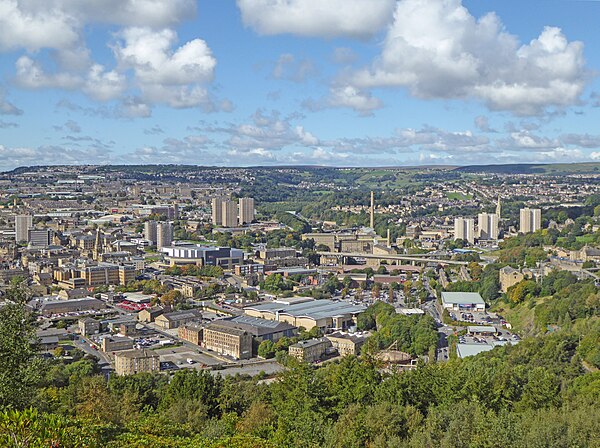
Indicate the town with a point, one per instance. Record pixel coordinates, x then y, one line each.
158 275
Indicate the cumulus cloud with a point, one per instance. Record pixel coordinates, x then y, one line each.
268 131
58 24
317 18
163 74
289 68
362 102
97 83
437 49
144 47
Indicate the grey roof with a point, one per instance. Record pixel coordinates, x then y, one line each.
464 350
316 309
311 342
186 314
462 298
258 326
481 329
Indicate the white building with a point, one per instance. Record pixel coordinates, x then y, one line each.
458 301
530 220
464 229
39 237
488 226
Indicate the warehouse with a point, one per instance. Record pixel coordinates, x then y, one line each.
462 301
325 314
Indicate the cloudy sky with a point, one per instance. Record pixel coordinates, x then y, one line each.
267 82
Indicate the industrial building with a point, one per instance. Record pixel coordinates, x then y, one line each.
460 301
325 314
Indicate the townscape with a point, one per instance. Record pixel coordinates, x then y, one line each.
178 305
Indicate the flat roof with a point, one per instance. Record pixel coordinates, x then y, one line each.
316 309
464 350
462 298
482 329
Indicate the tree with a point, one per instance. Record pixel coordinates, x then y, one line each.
266 349
19 367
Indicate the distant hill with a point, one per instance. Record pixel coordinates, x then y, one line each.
525 168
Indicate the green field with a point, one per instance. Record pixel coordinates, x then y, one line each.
455 195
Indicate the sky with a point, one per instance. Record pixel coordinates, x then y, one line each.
299 82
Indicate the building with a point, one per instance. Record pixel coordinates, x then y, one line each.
464 229
309 351
309 313
149 314
508 277
168 321
217 211
89 326
261 329
530 220
40 237
586 253
204 255
115 344
465 350
164 234
483 330
150 229
192 332
346 344
487 224
461 301
246 206
130 362
51 307
22 224
229 213
227 340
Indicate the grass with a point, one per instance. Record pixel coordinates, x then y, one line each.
520 317
455 195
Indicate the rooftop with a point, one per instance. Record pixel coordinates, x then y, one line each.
316 309
462 298
464 350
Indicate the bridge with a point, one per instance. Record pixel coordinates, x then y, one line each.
413 259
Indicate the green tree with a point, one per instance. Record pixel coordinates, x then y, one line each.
19 367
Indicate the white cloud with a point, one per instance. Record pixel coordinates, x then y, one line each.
97 83
437 49
164 75
267 131
58 24
317 18
362 102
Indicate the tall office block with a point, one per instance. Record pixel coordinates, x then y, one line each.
150 231
217 211
246 210
488 226
22 224
530 220
40 237
464 229
164 234
229 213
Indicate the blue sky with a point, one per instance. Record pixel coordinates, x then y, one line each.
280 82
